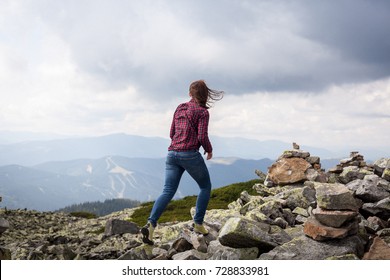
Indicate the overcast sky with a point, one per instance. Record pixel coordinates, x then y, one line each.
313 72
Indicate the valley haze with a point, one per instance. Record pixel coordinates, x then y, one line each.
49 172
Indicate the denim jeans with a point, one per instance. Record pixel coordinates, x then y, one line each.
176 164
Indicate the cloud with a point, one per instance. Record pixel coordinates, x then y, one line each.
357 29
246 46
354 115
311 71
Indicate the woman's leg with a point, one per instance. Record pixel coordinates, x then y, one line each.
196 167
173 173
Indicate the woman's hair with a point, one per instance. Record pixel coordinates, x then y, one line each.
204 96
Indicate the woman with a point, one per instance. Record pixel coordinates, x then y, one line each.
189 131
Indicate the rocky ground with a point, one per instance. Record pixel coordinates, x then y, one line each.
301 212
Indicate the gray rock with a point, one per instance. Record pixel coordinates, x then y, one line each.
374 224
281 222
372 189
335 197
62 252
386 174
296 153
333 218
272 209
380 208
115 226
181 245
220 252
299 220
288 216
143 252
305 248
313 160
380 165
298 197
243 233
159 251
190 255
192 240
300 211
5 253
385 234
344 257
351 173
4 225
354 185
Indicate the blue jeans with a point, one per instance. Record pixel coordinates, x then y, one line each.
176 164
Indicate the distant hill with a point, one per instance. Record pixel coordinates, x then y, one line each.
101 208
30 153
50 174
53 185
36 152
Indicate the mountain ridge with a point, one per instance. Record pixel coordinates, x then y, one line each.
53 185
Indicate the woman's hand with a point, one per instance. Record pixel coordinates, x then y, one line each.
209 155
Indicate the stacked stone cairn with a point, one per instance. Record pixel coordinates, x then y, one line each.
336 213
295 166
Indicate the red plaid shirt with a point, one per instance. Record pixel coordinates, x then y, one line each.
189 129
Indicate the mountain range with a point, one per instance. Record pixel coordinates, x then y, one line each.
50 174
53 185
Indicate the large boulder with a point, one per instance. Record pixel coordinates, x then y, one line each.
4 225
305 248
379 250
115 226
298 197
143 252
380 208
244 233
320 232
333 218
288 171
373 188
5 254
335 197
351 173
220 252
381 165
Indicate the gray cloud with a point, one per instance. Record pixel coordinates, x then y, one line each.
239 46
357 29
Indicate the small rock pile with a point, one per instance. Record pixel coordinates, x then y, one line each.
295 166
350 169
335 215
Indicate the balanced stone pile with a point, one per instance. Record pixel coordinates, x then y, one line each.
295 166
350 169
336 213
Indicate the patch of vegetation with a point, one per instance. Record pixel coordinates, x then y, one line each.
98 231
84 214
179 210
102 208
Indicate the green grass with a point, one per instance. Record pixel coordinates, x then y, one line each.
179 210
83 214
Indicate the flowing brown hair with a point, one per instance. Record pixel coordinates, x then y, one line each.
203 95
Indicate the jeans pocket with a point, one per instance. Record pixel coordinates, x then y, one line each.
190 155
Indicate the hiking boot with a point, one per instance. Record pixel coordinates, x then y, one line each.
200 229
147 234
